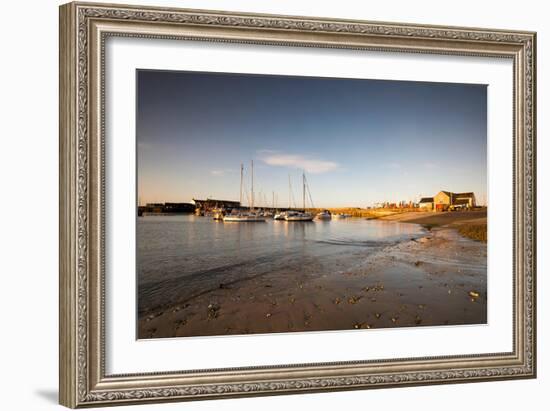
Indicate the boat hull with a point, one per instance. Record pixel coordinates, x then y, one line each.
299 218
241 219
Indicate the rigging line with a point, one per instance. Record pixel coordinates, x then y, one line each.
246 191
261 194
309 192
292 195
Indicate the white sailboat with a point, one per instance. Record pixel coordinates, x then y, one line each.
250 216
282 214
243 218
300 215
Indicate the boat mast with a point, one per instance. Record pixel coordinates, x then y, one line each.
304 190
241 189
252 186
289 193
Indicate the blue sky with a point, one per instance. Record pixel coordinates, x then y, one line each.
359 141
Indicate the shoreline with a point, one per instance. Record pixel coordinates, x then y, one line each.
437 279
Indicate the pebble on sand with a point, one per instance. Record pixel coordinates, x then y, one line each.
152 316
213 310
353 299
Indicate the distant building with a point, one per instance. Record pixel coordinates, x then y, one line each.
210 204
153 208
445 200
179 208
165 208
426 203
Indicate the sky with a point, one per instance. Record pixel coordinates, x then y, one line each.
358 141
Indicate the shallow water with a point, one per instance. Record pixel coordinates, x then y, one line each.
179 257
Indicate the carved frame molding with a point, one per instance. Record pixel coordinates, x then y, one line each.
84 27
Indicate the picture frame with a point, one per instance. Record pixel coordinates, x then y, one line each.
84 30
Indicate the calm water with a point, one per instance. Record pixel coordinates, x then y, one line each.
182 256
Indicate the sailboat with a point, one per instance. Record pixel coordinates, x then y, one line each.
300 215
282 214
250 216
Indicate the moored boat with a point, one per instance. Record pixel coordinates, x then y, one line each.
218 214
243 218
250 216
324 215
299 216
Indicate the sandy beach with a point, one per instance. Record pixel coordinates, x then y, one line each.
438 279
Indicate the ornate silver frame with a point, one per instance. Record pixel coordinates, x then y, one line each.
83 30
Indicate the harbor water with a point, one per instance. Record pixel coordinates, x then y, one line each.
182 256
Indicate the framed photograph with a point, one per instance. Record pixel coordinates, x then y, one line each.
260 204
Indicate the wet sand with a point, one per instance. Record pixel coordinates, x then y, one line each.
439 279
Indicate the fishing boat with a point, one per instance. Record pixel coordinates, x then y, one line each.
245 217
324 215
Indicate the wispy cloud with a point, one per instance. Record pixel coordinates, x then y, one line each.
309 163
221 172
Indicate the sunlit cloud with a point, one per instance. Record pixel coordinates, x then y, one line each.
308 163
